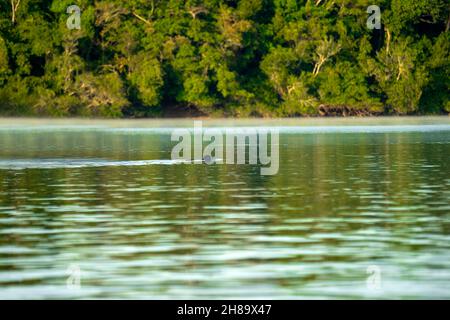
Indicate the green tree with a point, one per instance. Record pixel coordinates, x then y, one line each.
224 57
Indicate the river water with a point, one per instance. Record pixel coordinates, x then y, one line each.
360 208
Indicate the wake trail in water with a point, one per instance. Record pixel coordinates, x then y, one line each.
21 164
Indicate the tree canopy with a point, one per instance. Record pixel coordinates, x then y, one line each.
141 58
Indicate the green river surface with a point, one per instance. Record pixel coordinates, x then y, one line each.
360 208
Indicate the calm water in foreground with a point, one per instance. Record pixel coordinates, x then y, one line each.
350 196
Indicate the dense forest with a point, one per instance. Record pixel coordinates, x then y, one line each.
281 58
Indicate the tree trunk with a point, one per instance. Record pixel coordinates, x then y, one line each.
14 6
388 40
319 65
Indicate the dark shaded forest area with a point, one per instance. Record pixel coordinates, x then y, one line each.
269 58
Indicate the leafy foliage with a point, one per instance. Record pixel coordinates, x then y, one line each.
224 57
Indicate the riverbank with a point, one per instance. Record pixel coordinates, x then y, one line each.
322 111
239 112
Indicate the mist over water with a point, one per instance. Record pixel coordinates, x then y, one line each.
106 197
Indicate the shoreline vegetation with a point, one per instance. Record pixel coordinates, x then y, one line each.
224 58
